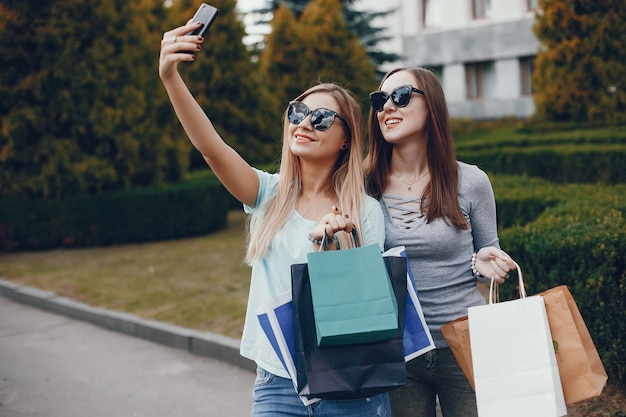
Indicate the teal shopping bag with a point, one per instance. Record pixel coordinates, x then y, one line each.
353 298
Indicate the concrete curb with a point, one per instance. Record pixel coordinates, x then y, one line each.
213 345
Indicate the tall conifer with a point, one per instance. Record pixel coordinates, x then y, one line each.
332 52
580 71
80 95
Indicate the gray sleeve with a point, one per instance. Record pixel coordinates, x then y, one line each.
477 193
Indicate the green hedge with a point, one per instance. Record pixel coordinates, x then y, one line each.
560 163
578 240
105 219
556 152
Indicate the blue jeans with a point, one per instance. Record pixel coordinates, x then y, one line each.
434 374
275 396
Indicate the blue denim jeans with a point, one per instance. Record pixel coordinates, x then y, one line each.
434 374
275 396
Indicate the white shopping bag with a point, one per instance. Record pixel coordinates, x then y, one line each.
515 368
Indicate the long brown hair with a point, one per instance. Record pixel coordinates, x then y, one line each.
347 178
440 196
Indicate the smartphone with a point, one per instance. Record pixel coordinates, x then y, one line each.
205 14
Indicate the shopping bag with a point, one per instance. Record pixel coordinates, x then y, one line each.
457 335
582 373
514 363
346 371
416 339
276 320
353 297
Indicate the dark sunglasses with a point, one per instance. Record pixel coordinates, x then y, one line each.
321 119
400 97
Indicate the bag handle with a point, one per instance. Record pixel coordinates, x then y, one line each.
325 240
494 296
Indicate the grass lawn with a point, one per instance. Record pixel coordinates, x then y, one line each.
199 282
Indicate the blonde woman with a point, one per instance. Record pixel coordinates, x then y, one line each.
319 190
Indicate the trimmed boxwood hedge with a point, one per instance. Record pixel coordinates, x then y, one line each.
578 239
604 163
557 152
140 215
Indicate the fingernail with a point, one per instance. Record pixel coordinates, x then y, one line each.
200 38
346 215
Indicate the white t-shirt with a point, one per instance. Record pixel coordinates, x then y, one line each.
271 275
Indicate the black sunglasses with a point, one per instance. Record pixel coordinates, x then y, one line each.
400 97
321 119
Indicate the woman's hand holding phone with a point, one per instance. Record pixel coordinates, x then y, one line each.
175 48
180 44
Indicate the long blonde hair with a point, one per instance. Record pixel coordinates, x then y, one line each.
347 178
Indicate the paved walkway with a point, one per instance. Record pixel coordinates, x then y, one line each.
55 366
74 360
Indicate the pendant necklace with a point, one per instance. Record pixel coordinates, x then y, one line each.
410 185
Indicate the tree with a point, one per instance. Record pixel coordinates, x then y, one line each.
281 61
83 109
318 47
229 87
80 100
580 73
359 22
332 52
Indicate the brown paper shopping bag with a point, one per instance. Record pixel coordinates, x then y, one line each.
582 373
457 335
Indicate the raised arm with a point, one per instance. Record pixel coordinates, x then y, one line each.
233 171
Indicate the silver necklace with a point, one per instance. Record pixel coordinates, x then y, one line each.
410 185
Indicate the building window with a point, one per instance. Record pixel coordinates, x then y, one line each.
431 13
532 5
481 9
479 80
526 66
438 71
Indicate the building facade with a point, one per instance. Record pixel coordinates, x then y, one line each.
482 50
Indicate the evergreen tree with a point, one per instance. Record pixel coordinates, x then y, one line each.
79 90
318 47
580 70
83 108
281 61
359 22
332 52
229 87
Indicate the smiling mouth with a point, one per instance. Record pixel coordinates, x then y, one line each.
302 138
392 122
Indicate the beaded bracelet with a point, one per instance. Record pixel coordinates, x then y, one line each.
477 274
319 241
316 241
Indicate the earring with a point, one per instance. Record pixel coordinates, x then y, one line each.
345 146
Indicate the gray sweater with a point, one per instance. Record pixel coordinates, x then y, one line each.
440 254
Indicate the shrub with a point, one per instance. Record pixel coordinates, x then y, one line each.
579 240
560 163
113 218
